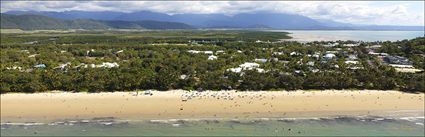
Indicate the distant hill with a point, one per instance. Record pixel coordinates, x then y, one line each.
34 22
242 20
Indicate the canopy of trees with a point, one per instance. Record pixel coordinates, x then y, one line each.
160 60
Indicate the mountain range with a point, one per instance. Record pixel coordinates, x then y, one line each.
34 22
110 19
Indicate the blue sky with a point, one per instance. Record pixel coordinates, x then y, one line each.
356 12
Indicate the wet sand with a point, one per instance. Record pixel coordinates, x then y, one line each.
178 104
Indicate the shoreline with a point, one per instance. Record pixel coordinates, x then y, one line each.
179 104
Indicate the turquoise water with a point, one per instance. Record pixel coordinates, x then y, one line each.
356 35
365 126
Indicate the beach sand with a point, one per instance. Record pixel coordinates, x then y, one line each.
178 104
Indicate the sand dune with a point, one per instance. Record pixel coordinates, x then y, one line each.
224 104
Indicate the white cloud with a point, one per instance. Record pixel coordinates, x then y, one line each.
356 12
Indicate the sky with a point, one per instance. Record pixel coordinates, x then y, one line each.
355 12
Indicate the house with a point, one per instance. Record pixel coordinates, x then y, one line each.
401 66
62 66
316 55
25 51
183 76
278 53
196 52
31 42
262 60
294 53
193 51
352 57
235 70
14 67
329 56
119 51
332 51
247 66
40 66
351 45
33 55
377 54
310 63
107 65
208 52
351 62
212 57
398 60
331 44
374 46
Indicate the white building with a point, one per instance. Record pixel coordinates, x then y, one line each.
351 62
107 65
262 60
329 56
247 66
119 51
62 66
196 52
212 57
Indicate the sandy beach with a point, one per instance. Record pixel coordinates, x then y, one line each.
179 104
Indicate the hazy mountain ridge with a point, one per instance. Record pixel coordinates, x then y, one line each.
33 22
242 20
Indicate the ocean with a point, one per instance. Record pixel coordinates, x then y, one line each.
347 126
356 35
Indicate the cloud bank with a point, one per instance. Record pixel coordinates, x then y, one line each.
356 12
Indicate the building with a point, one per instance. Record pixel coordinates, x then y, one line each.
107 65
329 56
398 60
261 60
247 66
40 66
212 57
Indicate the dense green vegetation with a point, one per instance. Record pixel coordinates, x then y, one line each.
160 60
37 22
